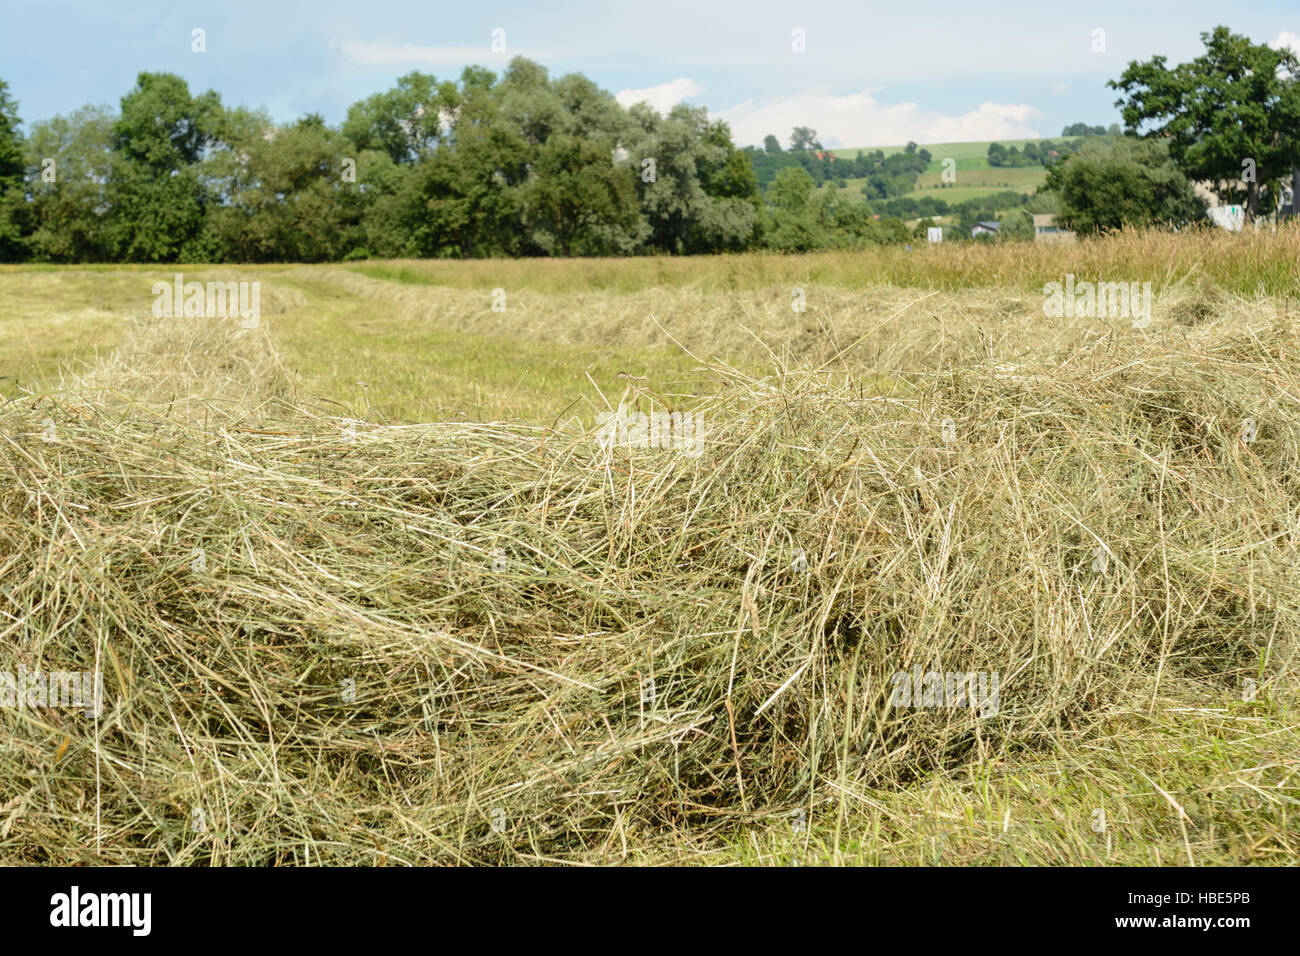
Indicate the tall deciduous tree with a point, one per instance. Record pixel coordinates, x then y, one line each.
290 194
70 160
1231 114
804 137
701 197
406 121
157 198
1128 182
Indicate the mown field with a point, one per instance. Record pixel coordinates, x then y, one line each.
437 621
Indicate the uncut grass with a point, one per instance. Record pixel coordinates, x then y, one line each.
1250 264
502 715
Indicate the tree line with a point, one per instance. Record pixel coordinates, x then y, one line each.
523 164
513 165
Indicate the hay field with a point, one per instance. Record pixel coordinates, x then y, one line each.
365 588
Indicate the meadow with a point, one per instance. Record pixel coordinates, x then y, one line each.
975 177
366 587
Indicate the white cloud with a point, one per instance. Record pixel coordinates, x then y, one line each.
858 119
662 97
1059 88
412 54
990 121
1288 40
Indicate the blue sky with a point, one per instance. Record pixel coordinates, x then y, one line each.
871 73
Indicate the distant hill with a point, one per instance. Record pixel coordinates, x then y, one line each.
975 177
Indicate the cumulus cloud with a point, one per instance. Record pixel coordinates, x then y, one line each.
1287 40
858 119
662 97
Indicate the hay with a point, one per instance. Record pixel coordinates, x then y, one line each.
435 643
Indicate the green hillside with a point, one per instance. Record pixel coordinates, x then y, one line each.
975 177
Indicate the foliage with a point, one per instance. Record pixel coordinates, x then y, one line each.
1128 182
1233 111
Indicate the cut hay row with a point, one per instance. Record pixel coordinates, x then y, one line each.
340 642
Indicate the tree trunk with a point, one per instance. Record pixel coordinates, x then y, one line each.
1295 191
1252 200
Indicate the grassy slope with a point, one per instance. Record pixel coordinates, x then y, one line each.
975 177
1216 783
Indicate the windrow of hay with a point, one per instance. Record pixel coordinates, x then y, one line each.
883 327
186 366
326 641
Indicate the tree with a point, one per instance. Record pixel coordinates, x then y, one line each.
467 195
405 121
286 197
1018 225
69 214
510 166
13 212
577 201
156 198
804 138
1127 182
703 196
1232 113
795 219
771 144
1083 129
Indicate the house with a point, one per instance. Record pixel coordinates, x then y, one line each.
983 228
1046 230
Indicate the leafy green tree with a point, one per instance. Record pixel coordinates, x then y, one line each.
393 212
156 198
404 122
1083 129
771 144
797 217
1127 182
1238 104
70 213
701 197
290 195
804 138
1016 225
13 211
468 192
520 164
576 201
11 142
